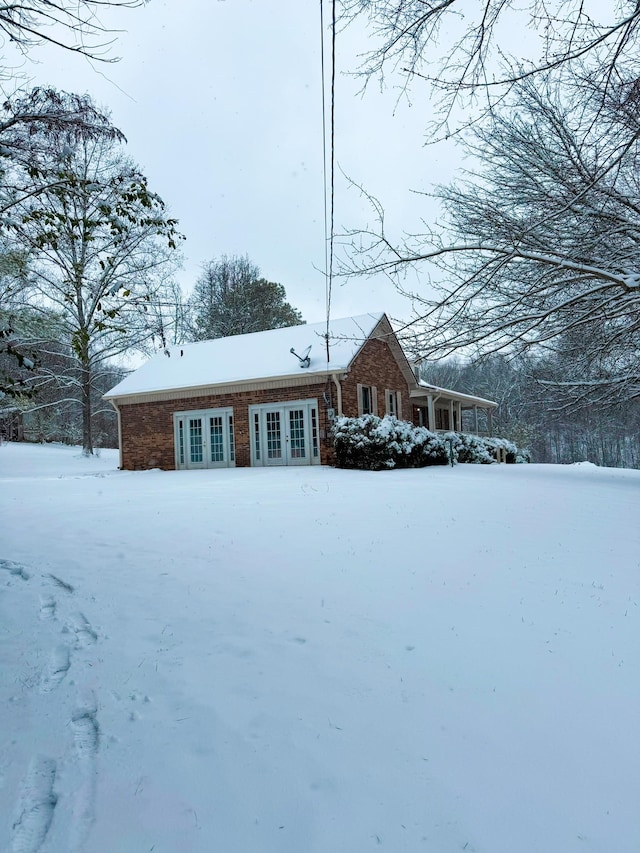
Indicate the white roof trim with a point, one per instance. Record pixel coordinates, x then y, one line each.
424 389
295 380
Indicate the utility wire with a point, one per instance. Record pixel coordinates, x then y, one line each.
329 179
324 159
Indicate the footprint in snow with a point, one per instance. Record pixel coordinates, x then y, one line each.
84 634
47 607
56 669
15 569
86 736
85 728
35 807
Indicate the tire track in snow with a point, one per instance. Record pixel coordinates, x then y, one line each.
35 806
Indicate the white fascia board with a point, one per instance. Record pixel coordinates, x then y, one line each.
425 390
237 387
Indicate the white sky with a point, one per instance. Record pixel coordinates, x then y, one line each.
221 103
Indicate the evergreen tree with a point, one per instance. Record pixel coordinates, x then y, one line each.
231 298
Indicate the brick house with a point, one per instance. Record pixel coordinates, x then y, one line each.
269 398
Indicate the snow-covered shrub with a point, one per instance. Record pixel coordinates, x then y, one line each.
474 449
375 443
481 450
434 450
452 444
512 452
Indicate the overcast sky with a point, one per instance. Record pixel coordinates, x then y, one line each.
221 103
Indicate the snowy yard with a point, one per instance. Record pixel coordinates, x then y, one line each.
317 661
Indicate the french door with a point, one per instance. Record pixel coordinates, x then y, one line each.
285 433
204 439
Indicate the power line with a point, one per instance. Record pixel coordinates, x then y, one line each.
329 179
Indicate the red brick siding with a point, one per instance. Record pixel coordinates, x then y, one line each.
147 428
375 365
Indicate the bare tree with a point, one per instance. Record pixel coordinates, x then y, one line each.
73 25
534 413
542 244
27 124
100 248
76 26
470 54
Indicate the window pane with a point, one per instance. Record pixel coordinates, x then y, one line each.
296 433
366 400
256 433
391 403
195 440
232 440
442 418
274 439
181 441
216 439
314 432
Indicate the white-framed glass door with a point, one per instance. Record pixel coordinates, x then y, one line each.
298 429
204 439
274 439
285 433
196 438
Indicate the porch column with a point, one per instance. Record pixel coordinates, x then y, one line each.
451 425
475 418
431 413
490 420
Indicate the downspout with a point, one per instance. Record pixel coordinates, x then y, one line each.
119 434
336 382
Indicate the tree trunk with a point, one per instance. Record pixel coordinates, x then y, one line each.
85 381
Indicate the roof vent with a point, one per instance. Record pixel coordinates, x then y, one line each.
305 360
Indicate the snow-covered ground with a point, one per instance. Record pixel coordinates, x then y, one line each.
317 661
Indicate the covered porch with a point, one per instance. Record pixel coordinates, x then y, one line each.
443 410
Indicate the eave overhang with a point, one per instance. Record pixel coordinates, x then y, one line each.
293 380
426 391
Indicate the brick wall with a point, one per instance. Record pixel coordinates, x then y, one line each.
375 365
147 428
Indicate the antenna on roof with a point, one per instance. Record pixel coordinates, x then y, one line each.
305 360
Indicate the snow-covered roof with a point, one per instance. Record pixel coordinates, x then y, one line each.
253 357
436 390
